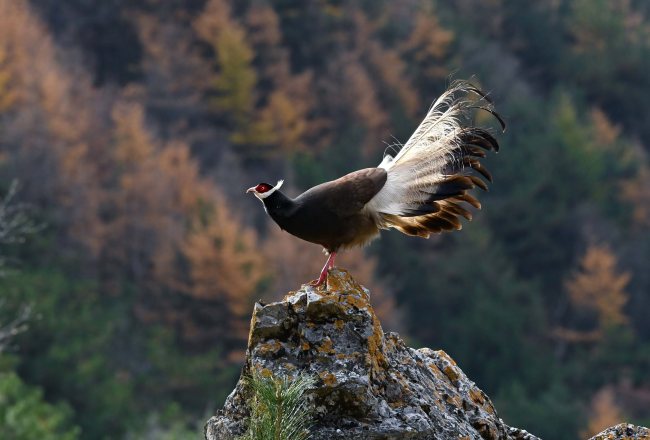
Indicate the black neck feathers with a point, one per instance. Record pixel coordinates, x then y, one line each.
278 205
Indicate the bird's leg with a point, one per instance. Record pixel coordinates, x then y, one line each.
323 273
330 260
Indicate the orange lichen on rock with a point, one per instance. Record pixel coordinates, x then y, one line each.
269 348
328 378
326 346
451 373
477 396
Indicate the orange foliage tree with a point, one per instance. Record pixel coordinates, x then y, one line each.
636 191
603 412
141 226
175 235
598 287
51 123
427 45
225 266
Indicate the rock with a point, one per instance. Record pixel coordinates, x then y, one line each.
370 384
624 431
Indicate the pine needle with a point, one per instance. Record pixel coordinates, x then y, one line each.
279 409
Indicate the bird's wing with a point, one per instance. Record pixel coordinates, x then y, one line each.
429 177
348 195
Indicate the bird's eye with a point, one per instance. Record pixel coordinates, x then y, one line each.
262 188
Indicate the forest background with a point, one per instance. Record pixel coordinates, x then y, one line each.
129 130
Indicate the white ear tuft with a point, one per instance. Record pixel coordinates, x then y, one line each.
277 186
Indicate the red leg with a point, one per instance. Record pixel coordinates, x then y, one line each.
323 273
331 260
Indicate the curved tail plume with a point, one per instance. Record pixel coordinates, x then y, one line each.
430 176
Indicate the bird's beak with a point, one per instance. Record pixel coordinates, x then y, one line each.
250 190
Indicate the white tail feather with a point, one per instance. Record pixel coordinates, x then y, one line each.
420 165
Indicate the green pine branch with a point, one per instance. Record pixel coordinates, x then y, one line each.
278 408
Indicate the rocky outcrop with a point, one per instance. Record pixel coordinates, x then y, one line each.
370 384
624 431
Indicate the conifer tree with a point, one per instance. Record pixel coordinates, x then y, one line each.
597 286
234 84
225 268
636 192
603 412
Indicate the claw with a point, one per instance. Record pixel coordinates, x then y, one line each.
323 273
320 281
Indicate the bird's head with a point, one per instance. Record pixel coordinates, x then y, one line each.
263 190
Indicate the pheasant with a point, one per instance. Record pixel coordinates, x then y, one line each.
420 190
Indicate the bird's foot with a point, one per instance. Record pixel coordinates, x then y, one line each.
321 279
319 282
323 273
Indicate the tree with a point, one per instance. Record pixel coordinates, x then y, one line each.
636 192
425 49
15 226
51 129
284 121
141 226
616 31
265 104
225 270
271 58
603 412
175 78
554 402
597 287
26 415
234 85
486 317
